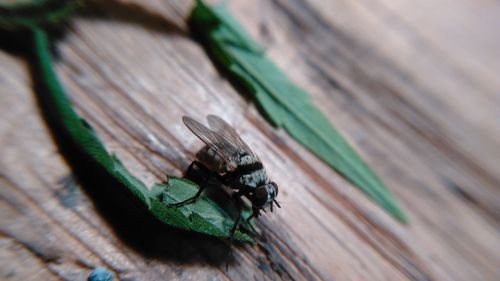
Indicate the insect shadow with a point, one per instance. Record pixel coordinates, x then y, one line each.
131 13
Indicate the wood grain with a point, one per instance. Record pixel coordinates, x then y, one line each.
412 86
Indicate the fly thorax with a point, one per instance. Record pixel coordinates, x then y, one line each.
254 179
250 171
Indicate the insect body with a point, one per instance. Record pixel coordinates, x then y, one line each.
230 159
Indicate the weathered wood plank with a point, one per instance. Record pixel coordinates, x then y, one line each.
420 108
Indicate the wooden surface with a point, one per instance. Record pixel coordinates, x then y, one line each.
413 86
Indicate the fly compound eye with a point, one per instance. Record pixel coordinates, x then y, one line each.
276 189
260 196
275 194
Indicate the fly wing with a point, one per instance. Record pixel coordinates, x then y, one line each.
215 140
222 128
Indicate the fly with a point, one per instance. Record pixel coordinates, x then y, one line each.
227 157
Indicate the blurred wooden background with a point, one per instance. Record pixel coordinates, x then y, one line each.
413 86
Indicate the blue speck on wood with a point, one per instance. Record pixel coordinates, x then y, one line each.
100 274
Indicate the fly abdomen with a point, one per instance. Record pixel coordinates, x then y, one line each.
210 159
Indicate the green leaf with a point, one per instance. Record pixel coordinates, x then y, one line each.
284 104
27 13
204 216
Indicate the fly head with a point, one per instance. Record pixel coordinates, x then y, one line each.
265 195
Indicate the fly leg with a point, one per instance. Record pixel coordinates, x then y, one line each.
237 202
255 214
198 193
